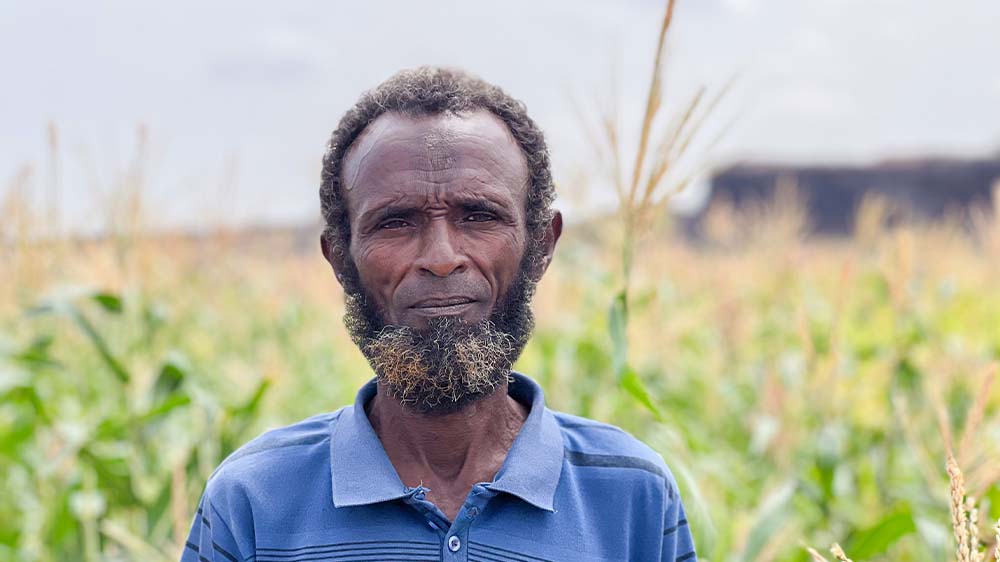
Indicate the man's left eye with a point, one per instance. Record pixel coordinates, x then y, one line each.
480 217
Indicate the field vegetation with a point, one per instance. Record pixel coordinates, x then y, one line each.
803 391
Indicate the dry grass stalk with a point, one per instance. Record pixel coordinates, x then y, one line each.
987 229
179 509
919 450
898 264
776 544
941 414
964 517
817 557
638 185
654 101
870 220
839 304
958 514
839 553
973 524
804 333
986 479
996 544
975 416
55 188
140 549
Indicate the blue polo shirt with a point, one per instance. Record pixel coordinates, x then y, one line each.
570 489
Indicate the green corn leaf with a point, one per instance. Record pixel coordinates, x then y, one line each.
97 340
37 352
618 328
165 406
109 302
633 384
252 404
876 540
774 511
64 306
172 374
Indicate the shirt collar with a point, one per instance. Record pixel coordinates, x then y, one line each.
362 474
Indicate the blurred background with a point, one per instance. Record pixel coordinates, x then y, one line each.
781 266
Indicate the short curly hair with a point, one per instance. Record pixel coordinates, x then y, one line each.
431 91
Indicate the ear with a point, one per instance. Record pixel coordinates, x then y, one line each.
552 233
333 255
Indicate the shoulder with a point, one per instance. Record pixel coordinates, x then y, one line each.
591 443
276 454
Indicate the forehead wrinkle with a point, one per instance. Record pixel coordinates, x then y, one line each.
438 133
441 149
458 158
386 153
370 139
497 165
406 166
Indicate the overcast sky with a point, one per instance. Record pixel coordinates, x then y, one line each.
239 97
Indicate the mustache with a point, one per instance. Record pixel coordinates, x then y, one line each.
412 293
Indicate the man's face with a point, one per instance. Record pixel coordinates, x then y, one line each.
440 271
437 213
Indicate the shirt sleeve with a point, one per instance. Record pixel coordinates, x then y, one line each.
210 539
678 545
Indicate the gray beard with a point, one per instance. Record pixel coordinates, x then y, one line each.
451 364
441 370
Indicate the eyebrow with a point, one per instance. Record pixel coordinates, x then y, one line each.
389 212
481 204
470 204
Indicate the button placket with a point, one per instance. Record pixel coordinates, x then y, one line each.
417 499
457 542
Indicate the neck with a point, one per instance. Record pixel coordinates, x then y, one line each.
450 448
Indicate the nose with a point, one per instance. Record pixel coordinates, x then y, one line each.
440 255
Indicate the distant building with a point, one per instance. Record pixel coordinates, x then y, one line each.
921 190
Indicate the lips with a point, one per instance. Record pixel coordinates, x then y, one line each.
438 302
442 306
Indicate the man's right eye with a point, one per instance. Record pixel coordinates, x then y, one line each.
393 224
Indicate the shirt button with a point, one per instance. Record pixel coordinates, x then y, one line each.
474 511
454 543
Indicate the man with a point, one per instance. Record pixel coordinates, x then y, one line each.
437 196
